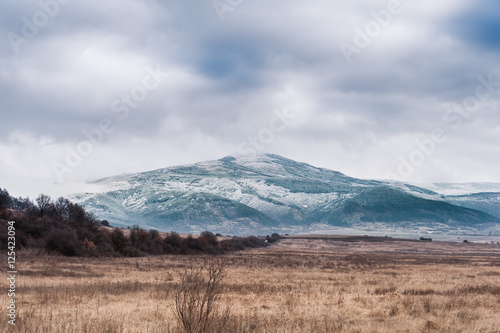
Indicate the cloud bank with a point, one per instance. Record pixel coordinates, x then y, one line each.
168 83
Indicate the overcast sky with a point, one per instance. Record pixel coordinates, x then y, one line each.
405 89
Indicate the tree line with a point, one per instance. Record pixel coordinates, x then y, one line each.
63 227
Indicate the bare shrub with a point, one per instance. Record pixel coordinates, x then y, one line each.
431 326
467 315
394 310
120 242
209 238
63 241
426 304
197 299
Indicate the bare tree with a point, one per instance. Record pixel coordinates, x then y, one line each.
5 199
197 299
43 201
62 208
120 242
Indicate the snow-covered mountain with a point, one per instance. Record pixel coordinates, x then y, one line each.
270 193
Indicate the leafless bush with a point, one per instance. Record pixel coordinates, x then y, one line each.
426 304
394 310
197 299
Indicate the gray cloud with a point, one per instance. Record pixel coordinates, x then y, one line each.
225 79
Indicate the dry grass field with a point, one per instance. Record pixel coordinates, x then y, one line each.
315 284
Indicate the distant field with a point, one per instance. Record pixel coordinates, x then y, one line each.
407 235
302 284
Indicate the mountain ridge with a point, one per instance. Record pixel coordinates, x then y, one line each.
270 193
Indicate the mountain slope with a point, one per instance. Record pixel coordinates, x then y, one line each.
382 204
486 202
265 194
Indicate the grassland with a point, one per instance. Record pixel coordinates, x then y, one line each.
302 284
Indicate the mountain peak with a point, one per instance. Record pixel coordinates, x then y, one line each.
267 193
279 165
255 158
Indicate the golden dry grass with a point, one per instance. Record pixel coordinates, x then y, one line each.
299 285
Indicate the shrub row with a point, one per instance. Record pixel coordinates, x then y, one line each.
62 227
